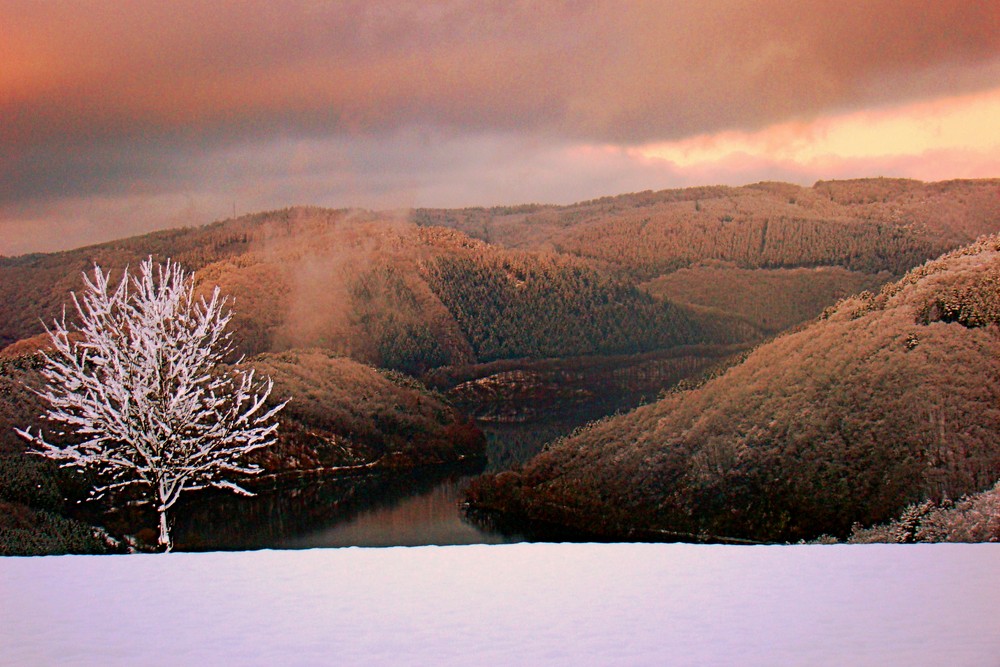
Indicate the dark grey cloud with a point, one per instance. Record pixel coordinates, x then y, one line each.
106 104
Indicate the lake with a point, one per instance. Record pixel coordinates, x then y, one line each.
409 509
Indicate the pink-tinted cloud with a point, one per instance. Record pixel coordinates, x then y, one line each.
117 117
83 71
964 125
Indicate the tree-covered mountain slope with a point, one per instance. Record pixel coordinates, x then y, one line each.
867 225
889 399
617 275
381 291
771 300
746 251
343 413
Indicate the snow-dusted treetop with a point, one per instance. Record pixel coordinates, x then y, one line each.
138 392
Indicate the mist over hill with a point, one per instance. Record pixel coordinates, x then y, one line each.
380 290
600 277
546 317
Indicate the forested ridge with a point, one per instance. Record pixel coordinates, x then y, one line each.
892 398
382 291
519 312
523 305
868 225
398 291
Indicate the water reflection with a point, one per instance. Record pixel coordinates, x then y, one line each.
404 509
411 509
428 518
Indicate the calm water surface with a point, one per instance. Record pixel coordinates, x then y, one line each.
401 510
412 508
430 517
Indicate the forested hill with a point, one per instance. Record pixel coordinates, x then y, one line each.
867 225
619 275
380 290
889 399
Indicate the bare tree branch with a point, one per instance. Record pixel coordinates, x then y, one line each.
140 385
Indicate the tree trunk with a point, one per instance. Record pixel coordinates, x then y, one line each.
165 541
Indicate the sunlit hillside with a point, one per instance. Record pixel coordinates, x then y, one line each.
399 291
382 291
770 300
891 398
549 317
868 225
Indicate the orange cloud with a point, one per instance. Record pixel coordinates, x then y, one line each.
595 70
113 111
966 123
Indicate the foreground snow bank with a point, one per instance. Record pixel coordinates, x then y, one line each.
569 604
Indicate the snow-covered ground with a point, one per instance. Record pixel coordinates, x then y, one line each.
570 604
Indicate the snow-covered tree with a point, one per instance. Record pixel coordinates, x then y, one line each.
138 391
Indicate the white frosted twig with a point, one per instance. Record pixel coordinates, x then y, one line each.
137 380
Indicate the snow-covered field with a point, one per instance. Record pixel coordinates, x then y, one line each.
569 604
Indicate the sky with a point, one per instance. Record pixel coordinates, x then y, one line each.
119 118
